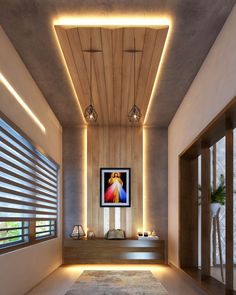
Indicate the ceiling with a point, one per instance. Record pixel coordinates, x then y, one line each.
195 25
112 90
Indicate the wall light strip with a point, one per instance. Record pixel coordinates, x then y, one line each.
4 81
85 209
144 180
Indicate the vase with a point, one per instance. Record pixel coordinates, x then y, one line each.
214 208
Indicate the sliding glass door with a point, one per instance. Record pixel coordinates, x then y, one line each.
218 203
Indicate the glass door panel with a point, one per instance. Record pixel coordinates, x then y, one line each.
199 211
218 211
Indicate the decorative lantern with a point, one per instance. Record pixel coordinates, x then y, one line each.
77 232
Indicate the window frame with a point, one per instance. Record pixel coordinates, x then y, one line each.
32 239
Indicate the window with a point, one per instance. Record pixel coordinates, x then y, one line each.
28 190
45 228
13 232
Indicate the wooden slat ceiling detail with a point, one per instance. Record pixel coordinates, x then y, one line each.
113 68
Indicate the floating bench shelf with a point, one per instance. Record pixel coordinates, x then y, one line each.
101 251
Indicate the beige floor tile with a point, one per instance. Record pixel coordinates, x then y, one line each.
62 279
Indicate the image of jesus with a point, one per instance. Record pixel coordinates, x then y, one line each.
115 192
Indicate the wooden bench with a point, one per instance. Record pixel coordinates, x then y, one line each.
102 251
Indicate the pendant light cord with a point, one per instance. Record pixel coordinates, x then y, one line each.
134 71
90 61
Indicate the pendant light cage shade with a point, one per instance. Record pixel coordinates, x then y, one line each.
77 232
134 114
90 114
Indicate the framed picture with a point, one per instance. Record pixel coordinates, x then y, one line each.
115 187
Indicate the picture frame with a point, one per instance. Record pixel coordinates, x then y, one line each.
115 188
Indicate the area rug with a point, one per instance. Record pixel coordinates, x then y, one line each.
103 282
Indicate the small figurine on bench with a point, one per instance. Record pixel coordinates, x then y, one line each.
115 234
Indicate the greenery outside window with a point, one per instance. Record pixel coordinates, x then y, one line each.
13 233
45 228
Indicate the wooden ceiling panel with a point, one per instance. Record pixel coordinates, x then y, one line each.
108 70
99 75
113 68
79 61
154 64
148 49
127 76
67 53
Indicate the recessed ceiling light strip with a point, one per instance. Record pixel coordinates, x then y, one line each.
112 21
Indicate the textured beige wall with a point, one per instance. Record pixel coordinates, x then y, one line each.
213 87
74 177
155 181
22 269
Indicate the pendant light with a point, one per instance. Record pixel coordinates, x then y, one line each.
134 114
90 113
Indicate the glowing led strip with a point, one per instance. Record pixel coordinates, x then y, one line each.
158 73
112 21
152 267
85 217
4 81
144 181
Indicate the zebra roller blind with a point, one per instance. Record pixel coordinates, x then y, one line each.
28 179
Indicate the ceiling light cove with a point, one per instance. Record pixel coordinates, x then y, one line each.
20 100
119 81
113 21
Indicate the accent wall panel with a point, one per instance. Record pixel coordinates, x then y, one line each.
114 147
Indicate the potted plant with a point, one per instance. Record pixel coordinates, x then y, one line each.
218 196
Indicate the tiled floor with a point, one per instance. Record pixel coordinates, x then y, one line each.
61 280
